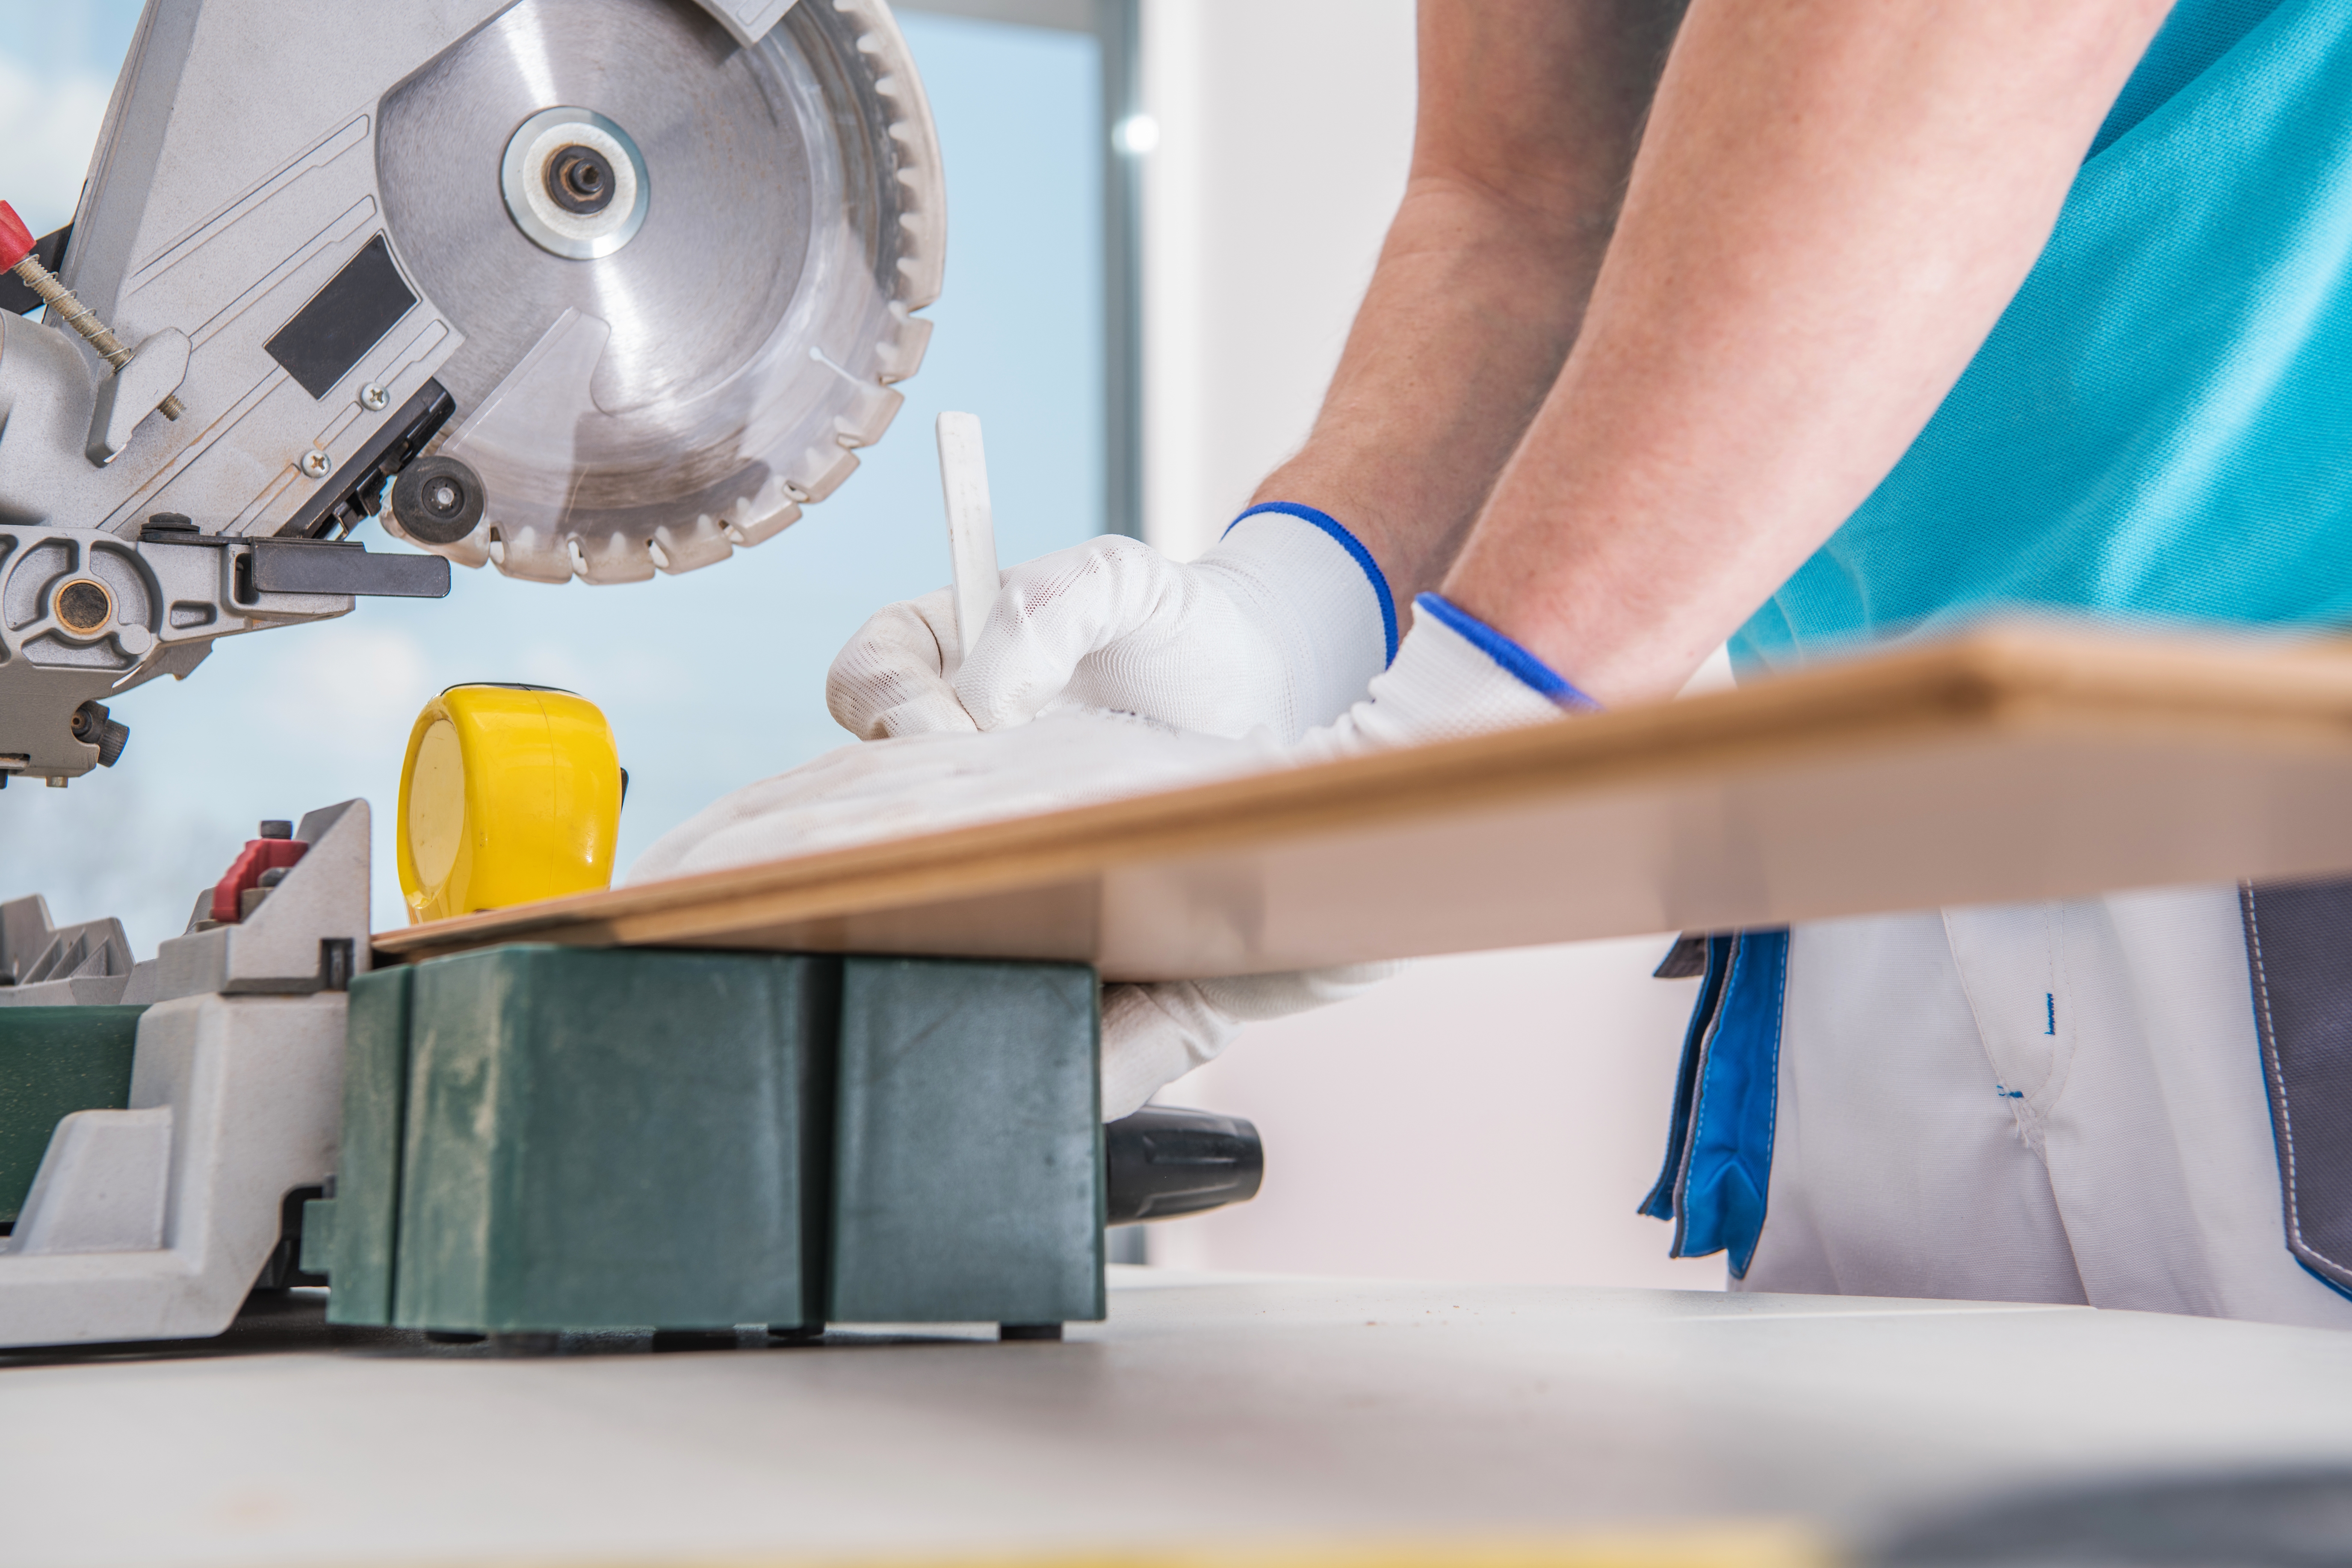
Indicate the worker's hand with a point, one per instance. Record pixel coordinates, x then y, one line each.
1454 677
886 682
1278 628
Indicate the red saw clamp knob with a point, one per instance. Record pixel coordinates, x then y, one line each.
15 240
276 850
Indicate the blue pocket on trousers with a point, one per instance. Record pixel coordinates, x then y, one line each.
1718 1166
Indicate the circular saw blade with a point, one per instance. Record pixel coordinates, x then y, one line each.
658 406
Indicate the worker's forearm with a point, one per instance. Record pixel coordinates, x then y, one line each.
1833 204
1415 429
1530 113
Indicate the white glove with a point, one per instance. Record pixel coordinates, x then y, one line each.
1453 677
1278 628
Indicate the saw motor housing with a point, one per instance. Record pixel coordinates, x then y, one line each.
624 282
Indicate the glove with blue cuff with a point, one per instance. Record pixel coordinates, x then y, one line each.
1145 675
1278 628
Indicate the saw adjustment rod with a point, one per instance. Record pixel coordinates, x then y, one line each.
16 255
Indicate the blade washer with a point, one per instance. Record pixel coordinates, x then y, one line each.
540 177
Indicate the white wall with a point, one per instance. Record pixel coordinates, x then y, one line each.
1490 1117
1494 1116
1285 126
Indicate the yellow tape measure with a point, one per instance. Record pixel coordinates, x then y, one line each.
509 794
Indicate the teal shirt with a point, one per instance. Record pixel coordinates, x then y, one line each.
2159 428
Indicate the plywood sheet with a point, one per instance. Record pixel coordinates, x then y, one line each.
2010 766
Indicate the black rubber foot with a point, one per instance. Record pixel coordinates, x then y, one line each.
694 1338
452 1337
1012 1332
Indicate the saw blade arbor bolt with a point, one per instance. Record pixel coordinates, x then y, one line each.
16 254
580 179
574 183
316 464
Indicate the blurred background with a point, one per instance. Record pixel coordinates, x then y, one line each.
1143 303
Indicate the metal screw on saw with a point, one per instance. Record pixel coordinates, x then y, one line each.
316 464
374 399
83 320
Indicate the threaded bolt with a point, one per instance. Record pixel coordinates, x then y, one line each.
79 317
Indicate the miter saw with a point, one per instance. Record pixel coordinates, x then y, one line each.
600 289
596 289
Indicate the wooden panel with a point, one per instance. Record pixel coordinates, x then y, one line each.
2009 765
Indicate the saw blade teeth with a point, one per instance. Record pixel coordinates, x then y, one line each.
821 470
915 142
535 554
615 558
472 551
763 516
688 547
865 422
900 354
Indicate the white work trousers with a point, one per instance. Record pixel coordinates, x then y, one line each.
2045 1102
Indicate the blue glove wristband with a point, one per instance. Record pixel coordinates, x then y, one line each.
1515 660
1356 552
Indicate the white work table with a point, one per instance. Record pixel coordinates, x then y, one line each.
1207 1414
